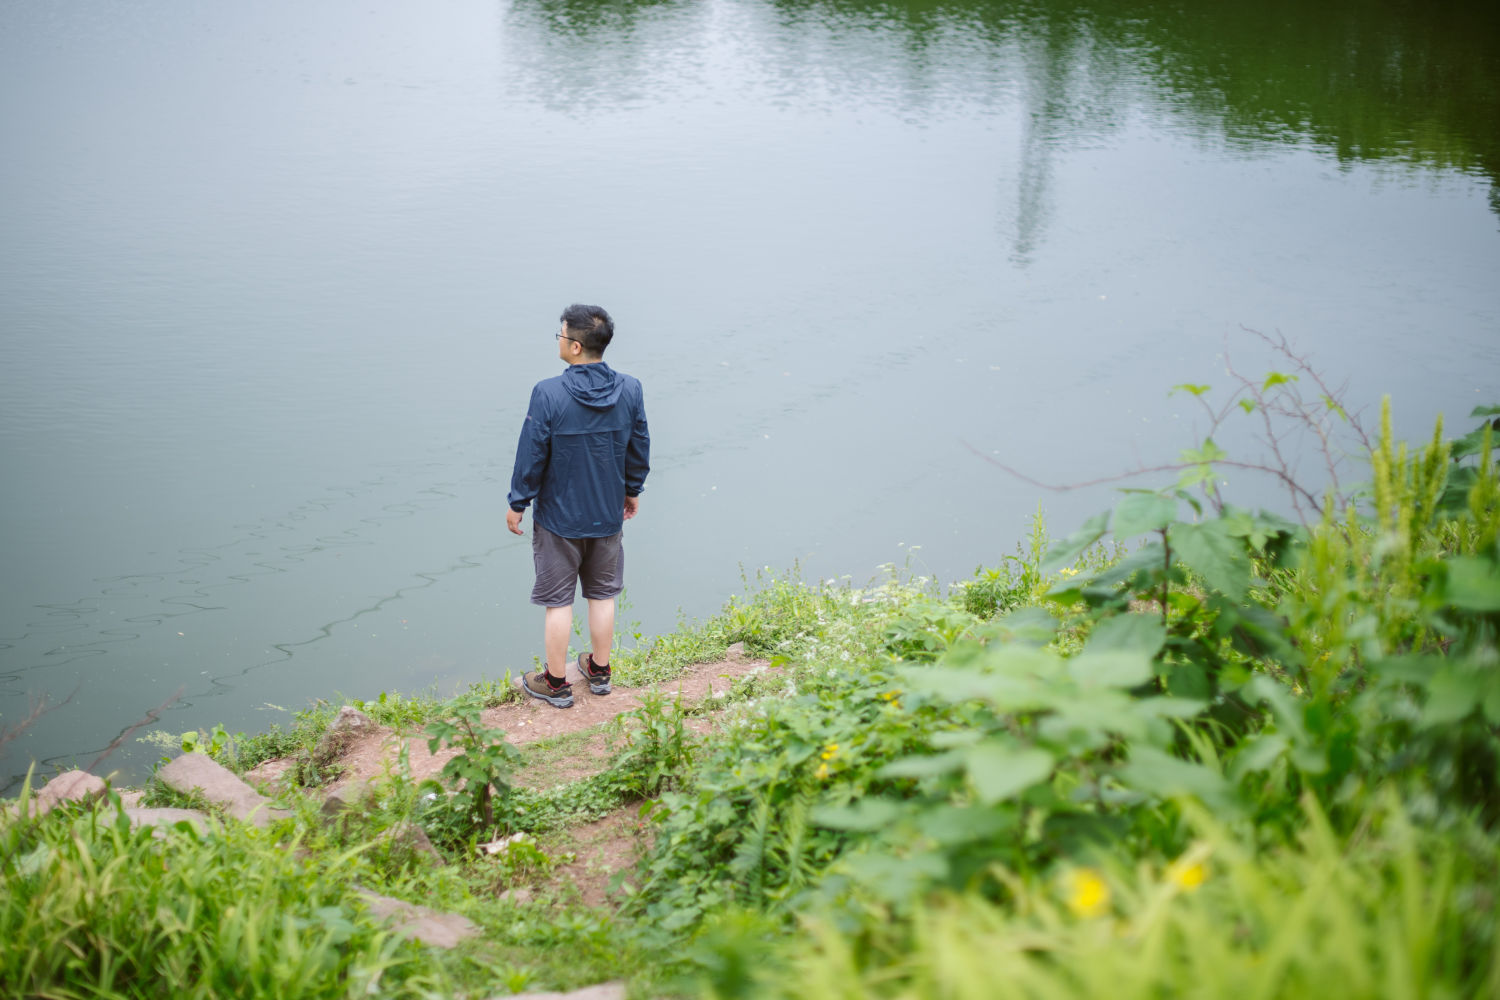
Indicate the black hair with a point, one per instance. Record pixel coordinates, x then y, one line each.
591 326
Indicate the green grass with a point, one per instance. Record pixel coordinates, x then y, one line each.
1244 759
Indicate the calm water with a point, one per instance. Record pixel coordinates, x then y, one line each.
275 279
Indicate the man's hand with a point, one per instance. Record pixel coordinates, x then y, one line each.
632 507
513 521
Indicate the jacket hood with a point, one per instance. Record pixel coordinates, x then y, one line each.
596 386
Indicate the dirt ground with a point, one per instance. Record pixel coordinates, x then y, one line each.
600 848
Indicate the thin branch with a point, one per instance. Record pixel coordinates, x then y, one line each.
1140 471
1281 401
151 717
38 710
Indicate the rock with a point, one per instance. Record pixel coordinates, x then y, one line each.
437 930
351 795
349 725
736 653
518 896
352 721
198 772
272 775
412 838
131 797
163 818
70 786
603 991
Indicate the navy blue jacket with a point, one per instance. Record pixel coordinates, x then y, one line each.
584 448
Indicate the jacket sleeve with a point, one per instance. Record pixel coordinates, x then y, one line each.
533 451
638 451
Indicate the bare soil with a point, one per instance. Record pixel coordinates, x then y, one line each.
599 848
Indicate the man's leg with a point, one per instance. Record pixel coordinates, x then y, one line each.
601 629
556 629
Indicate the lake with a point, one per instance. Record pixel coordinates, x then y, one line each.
276 278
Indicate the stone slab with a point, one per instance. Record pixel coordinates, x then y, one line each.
220 786
437 930
70 786
602 991
161 818
351 795
272 775
410 837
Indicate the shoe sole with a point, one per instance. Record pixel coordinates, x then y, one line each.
556 701
595 687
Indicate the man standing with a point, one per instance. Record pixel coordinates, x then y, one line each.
582 458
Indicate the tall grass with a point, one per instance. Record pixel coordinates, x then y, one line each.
1390 912
93 908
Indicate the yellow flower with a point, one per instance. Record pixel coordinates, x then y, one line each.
1067 571
822 772
1188 876
1088 895
830 750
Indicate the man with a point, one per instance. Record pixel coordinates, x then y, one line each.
582 459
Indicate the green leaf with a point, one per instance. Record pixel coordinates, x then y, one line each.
1139 513
1277 378
1258 753
1187 680
1084 720
999 771
1076 544
931 766
1248 405
1012 690
1151 770
1033 626
1451 695
1149 558
1167 707
953 825
951 738
1409 668
1473 584
897 878
1492 705
1454 501
1134 633
1210 551
1210 452
1123 669
1196 390
865 815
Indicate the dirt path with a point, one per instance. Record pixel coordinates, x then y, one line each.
530 721
597 849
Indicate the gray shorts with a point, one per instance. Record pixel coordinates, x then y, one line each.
562 562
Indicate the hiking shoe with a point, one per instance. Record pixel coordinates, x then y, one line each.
539 684
598 677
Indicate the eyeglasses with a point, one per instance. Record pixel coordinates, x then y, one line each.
559 336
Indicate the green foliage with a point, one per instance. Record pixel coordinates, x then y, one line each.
214 744
657 749
1241 755
482 769
493 694
1391 911
1234 661
95 908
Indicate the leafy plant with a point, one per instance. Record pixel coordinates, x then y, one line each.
94 907
657 749
482 768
